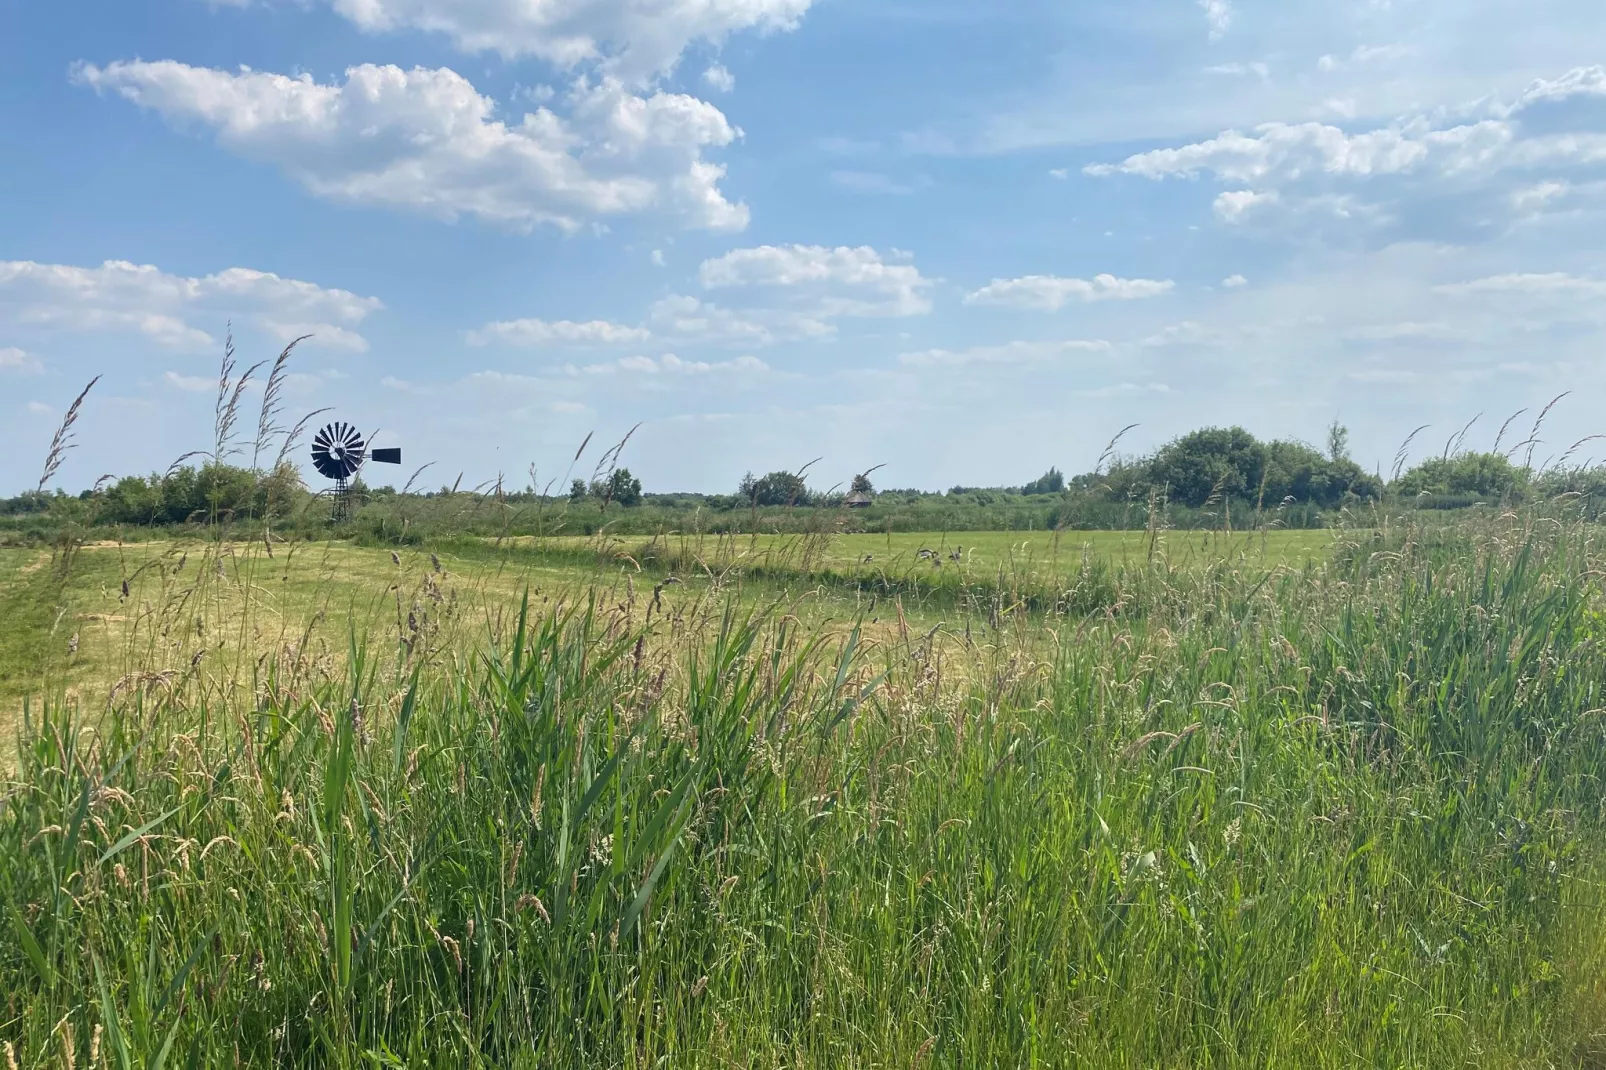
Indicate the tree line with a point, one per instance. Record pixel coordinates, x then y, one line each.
1195 471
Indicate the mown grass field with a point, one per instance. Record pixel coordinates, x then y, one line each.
975 552
1331 804
178 600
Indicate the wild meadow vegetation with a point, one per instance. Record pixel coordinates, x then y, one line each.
1345 813
1237 797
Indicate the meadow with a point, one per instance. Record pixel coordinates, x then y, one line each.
1313 799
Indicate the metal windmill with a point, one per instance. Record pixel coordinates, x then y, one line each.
338 453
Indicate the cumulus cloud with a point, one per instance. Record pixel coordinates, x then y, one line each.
1476 167
631 39
834 282
425 140
691 319
16 361
1233 205
1008 353
776 294
1283 150
719 79
1050 293
140 298
1234 282
535 333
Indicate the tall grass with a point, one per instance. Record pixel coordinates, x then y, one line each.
1347 815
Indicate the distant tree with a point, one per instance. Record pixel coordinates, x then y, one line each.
862 485
1295 470
1337 442
578 491
1050 482
777 488
1225 462
1484 475
624 488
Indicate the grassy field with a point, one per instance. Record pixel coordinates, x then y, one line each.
1276 801
980 552
118 611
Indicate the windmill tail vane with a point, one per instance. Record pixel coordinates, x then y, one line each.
338 453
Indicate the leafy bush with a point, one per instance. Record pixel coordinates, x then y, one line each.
213 491
777 488
1490 476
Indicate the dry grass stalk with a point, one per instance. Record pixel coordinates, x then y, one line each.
63 440
229 392
267 420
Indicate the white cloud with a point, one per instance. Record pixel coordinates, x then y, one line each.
669 364
1260 70
1008 353
1189 333
1234 282
835 282
1552 286
425 140
1219 14
719 79
1474 168
39 408
1050 293
1579 82
633 39
325 335
1233 205
1366 55
1294 150
192 384
15 360
781 294
1410 331
123 297
534 332
689 319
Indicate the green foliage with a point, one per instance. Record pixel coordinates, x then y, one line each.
1342 817
862 485
1491 477
1050 482
775 489
1210 464
624 488
212 491
1217 464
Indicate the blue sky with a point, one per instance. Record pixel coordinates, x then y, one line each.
967 241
